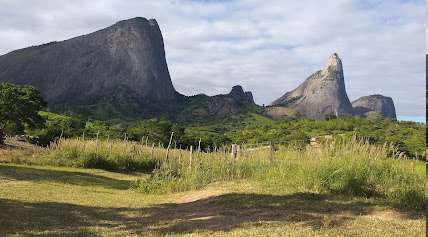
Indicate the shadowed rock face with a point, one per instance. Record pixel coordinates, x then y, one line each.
375 103
221 105
321 94
127 57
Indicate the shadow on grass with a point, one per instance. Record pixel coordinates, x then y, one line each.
219 213
65 177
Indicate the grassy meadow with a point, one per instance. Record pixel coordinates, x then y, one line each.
105 187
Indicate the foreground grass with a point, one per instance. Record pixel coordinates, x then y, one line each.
54 201
346 167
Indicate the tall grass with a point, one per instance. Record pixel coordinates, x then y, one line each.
353 168
349 167
110 155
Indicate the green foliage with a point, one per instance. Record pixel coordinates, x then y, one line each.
55 125
19 107
249 128
158 130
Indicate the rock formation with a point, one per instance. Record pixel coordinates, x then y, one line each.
380 104
124 62
220 105
323 93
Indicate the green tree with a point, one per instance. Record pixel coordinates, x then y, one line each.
19 107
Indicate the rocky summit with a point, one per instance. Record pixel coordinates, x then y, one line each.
321 94
119 69
374 103
324 93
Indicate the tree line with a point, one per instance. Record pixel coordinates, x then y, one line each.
23 111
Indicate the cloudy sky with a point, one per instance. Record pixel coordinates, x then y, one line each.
267 46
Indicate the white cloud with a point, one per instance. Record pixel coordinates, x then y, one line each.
267 47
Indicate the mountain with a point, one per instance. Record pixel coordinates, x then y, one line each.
121 72
323 93
380 104
117 71
203 106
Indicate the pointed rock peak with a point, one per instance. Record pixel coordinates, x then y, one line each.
239 95
334 62
333 69
237 90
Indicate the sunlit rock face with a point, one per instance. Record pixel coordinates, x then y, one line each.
321 94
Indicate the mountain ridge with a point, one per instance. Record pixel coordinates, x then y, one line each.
121 72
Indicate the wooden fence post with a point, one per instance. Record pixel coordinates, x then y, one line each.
271 151
234 151
190 158
62 134
96 143
199 145
169 145
83 141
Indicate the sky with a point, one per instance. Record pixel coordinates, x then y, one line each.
268 47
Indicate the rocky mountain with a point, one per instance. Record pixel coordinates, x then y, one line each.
321 94
374 103
235 102
119 70
324 93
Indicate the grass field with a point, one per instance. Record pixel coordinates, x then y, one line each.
42 200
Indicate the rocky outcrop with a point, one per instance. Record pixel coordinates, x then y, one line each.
322 94
380 104
235 102
127 58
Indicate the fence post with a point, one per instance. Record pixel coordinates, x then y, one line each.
169 145
234 151
83 141
271 151
96 143
62 133
190 158
199 145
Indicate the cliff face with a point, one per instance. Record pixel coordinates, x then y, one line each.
380 104
321 94
127 58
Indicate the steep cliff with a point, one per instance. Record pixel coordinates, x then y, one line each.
117 70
